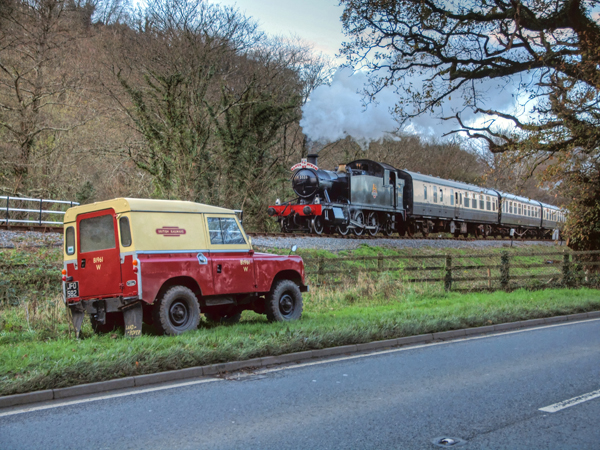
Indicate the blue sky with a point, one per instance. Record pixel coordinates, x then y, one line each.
315 21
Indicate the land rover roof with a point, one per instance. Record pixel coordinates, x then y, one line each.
123 205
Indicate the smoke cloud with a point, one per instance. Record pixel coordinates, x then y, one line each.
339 110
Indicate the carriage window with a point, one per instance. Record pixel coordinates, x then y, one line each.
224 231
425 192
70 241
460 199
441 195
466 200
452 196
474 201
488 203
125 231
481 202
434 189
97 233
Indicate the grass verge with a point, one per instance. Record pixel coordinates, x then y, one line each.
29 361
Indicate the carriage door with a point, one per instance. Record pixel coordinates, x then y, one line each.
457 202
98 254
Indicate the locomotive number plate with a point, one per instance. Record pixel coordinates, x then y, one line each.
72 289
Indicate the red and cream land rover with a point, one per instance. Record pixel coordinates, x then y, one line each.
128 261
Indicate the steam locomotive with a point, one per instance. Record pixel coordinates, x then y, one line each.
366 196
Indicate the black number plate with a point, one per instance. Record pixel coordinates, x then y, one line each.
72 289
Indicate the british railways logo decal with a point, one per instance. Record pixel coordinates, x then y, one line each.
170 231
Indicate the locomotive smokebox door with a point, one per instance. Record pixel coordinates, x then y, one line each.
132 316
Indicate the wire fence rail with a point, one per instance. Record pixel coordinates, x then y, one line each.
33 211
463 273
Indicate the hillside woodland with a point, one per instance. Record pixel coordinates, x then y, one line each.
177 99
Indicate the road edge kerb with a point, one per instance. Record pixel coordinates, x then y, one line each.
216 369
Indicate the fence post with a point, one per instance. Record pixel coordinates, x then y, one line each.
504 271
321 268
380 262
566 269
448 277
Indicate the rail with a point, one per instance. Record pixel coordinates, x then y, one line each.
22 212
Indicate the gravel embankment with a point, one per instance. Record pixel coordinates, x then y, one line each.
15 239
333 244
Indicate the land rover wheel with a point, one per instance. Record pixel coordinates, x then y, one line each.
176 311
284 302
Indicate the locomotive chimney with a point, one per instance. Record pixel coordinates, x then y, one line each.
313 159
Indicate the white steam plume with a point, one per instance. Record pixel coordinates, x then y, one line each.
337 111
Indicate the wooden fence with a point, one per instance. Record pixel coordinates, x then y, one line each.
570 270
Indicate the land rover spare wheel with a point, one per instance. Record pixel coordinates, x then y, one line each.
284 302
176 311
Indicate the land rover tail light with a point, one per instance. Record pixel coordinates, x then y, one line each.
64 274
135 266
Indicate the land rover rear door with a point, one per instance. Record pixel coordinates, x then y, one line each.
98 258
231 256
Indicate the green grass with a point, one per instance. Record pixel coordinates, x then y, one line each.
330 319
38 349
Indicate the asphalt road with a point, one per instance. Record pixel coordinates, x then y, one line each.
487 391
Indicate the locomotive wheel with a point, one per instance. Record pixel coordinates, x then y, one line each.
343 230
176 311
373 221
410 229
359 217
387 228
317 225
284 302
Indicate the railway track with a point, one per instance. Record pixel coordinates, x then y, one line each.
59 230
396 237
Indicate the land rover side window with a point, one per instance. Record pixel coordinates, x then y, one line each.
125 231
224 231
70 241
97 233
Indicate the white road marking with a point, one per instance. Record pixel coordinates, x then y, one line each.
571 402
278 369
60 404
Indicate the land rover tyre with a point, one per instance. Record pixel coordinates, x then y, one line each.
284 302
176 311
